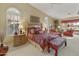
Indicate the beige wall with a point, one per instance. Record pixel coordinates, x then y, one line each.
26 11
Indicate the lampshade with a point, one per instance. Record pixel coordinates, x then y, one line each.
59 26
20 26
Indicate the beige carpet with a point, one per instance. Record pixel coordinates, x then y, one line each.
28 49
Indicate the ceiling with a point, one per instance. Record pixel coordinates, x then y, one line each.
58 10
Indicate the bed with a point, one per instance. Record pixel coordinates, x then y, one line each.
45 40
36 38
53 31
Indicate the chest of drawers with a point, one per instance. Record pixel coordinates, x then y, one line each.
19 40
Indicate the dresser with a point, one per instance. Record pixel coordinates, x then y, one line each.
19 40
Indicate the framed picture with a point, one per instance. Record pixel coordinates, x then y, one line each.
34 19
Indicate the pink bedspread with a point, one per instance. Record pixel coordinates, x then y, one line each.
43 38
56 33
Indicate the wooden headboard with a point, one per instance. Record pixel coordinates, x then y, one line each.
35 26
34 19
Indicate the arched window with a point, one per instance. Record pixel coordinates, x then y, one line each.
13 21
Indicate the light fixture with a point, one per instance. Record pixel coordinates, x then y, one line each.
59 27
20 26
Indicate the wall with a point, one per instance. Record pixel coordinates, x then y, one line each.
26 11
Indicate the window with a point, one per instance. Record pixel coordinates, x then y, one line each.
46 22
13 21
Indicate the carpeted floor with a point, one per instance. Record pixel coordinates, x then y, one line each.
28 49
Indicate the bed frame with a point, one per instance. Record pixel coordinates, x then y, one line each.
31 26
54 43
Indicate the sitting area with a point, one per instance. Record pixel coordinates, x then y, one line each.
68 33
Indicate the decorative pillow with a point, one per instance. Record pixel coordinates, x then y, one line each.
32 31
37 30
40 31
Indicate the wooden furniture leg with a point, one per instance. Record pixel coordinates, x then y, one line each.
65 43
56 52
48 49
